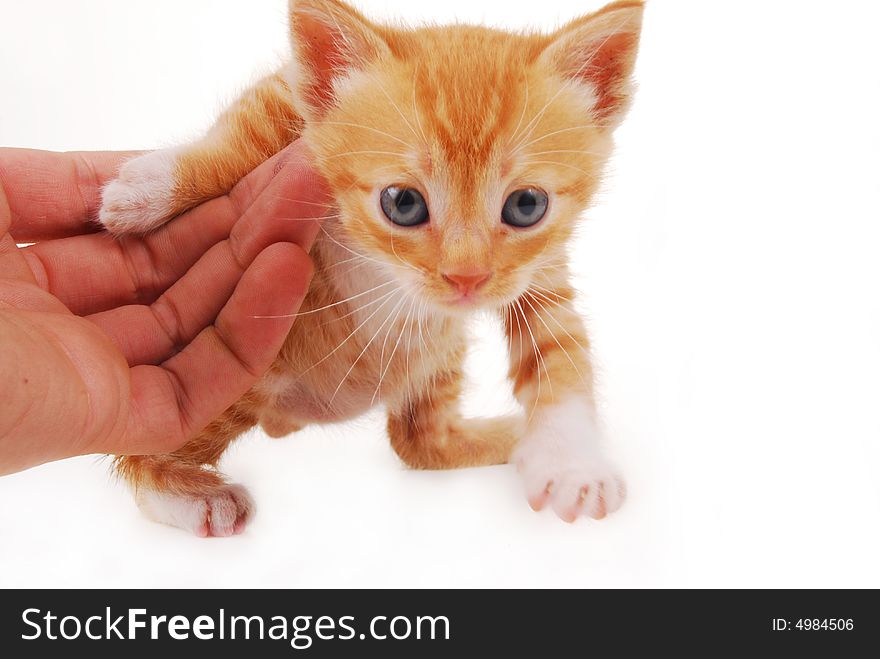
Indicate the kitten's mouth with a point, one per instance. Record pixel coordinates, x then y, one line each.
465 303
465 300
460 303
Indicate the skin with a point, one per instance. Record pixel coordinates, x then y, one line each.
133 346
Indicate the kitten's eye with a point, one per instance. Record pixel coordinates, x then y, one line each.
524 208
404 206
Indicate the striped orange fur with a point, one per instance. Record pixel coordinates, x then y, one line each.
465 115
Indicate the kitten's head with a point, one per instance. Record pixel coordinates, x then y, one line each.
460 156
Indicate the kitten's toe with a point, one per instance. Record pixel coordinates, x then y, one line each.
142 197
223 512
584 485
592 493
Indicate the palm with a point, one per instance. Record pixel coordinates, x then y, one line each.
133 345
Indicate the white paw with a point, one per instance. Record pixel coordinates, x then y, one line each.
142 197
222 513
561 464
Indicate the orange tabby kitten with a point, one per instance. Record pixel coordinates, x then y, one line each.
460 159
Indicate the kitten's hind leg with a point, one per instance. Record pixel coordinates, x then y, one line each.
155 187
429 433
185 490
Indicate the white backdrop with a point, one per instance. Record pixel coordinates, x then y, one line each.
729 271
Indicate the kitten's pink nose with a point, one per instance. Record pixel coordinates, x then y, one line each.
467 281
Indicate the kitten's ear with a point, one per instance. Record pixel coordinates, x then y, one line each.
599 50
330 40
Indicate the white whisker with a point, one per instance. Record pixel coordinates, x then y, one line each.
348 338
348 249
538 354
552 133
415 110
364 152
537 357
556 163
394 351
362 307
358 258
307 203
362 353
552 333
558 297
307 219
398 308
588 152
523 113
421 271
561 326
423 309
409 345
329 306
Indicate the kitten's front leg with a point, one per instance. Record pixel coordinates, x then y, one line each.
157 186
559 457
428 432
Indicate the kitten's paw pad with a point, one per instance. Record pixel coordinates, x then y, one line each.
142 197
224 512
573 485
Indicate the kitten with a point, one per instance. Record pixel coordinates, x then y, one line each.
460 159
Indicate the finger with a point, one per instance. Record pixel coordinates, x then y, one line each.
12 266
94 273
150 334
296 201
173 402
97 272
52 195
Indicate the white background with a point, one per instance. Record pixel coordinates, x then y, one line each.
729 270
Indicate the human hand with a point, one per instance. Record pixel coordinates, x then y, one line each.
132 346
